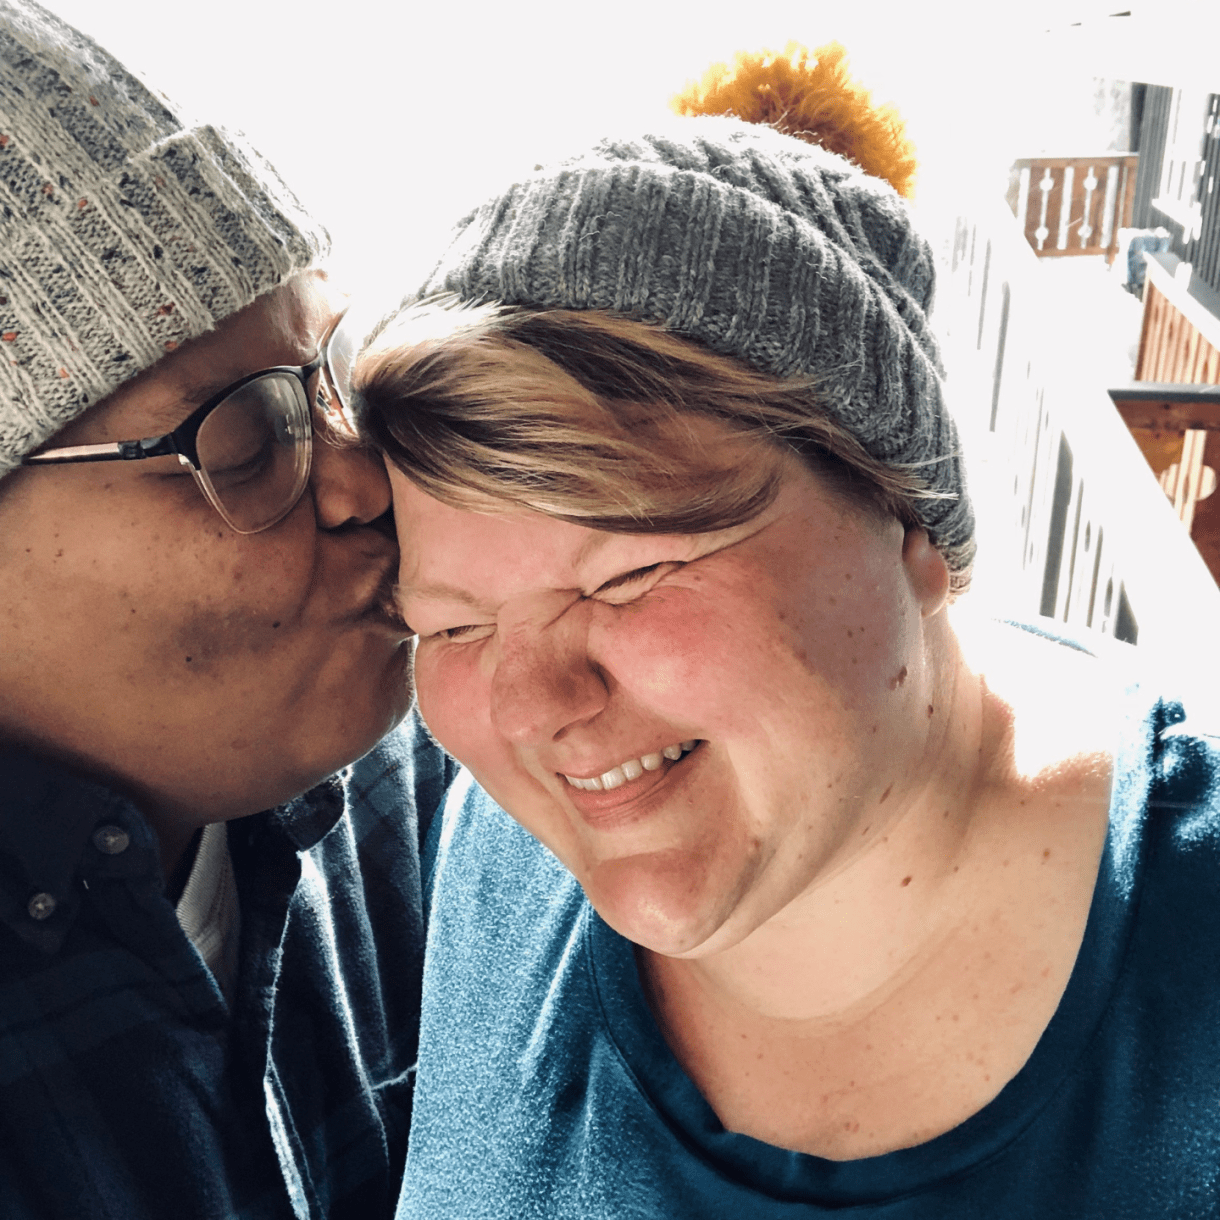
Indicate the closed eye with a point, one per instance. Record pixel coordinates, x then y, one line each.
463 632
628 578
629 585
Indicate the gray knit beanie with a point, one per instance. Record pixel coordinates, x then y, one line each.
123 233
761 247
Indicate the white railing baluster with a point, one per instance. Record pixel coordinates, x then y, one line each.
1109 208
1045 186
1098 543
1065 206
1086 227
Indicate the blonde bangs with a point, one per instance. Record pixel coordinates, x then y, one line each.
601 420
481 418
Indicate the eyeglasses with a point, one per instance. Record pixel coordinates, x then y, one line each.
249 447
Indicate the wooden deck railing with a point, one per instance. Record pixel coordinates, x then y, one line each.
1075 205
1180 337
1180 350
1187 417
1072 522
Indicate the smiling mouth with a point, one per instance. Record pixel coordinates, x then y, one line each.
631 769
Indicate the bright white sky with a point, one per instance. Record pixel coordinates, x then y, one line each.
389 117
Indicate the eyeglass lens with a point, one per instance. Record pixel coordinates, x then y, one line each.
341 351
254 451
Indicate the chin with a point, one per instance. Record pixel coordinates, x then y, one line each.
393 696
663 901
348 722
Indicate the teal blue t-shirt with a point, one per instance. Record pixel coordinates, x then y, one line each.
546 1089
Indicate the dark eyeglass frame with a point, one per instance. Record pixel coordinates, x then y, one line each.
182 442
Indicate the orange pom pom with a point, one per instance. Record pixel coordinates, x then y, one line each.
809 94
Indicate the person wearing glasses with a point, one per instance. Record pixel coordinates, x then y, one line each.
210 924
774 889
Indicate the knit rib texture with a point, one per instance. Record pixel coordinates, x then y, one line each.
756 244
124 233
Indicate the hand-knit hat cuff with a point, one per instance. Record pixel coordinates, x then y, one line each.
758 246
95 288
123 233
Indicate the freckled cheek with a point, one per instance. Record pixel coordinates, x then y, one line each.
449 698
678 657
455 702
851 641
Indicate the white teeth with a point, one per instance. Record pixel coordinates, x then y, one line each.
614 778
632 769
590 785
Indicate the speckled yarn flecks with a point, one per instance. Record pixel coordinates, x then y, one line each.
123 232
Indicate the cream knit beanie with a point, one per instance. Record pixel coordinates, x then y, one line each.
123 232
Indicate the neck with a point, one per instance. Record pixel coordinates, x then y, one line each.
178 847
900 992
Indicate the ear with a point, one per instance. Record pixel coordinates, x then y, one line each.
927 571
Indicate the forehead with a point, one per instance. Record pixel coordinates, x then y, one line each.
488 558
449 547
281 327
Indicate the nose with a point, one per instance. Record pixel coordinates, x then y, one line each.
350 485
545 683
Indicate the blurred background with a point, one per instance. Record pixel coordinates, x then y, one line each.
1069 162
390 117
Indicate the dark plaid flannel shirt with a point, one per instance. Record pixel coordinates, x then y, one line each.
128 1089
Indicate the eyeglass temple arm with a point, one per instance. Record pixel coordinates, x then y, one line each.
117 451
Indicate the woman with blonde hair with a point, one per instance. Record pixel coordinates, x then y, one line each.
784 894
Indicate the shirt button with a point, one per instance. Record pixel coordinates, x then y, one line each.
42 906
111 840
